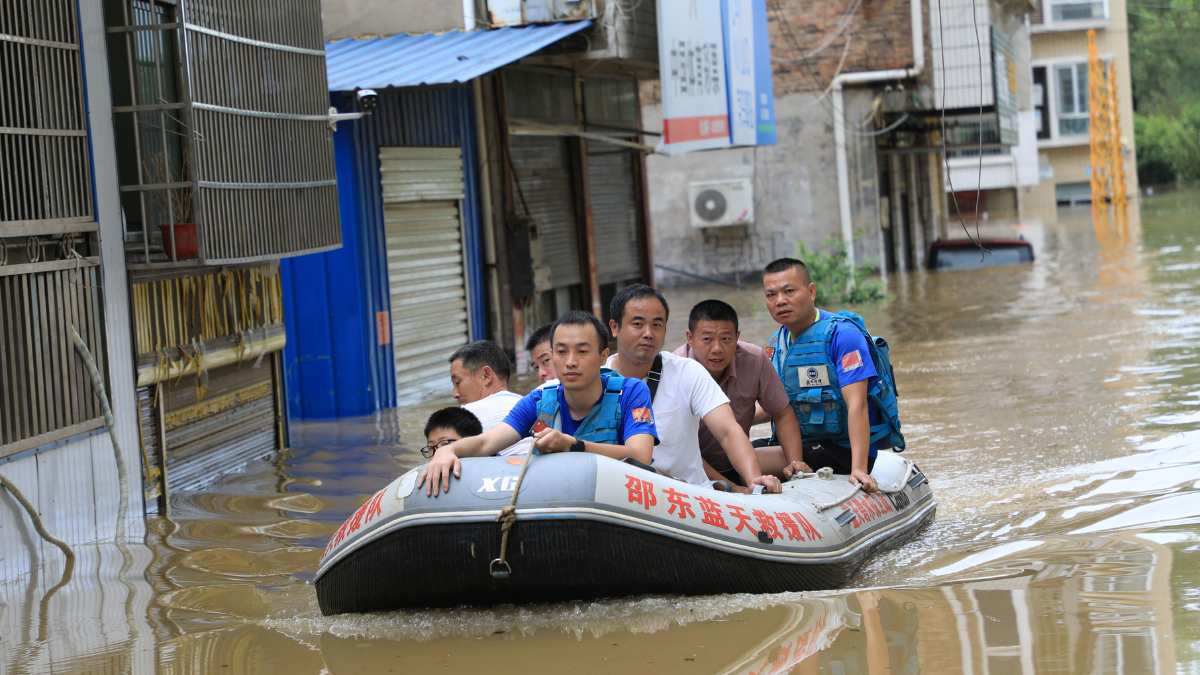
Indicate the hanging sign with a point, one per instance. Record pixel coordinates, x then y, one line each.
715 69
691 53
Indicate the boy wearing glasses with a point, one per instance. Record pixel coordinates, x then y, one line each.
448 425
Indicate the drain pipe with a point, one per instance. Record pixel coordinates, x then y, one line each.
839 118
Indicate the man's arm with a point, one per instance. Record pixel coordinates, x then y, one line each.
760 415
787 432
724 427
639 446
445 461
859 422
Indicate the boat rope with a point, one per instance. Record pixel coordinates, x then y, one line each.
500 569
101 393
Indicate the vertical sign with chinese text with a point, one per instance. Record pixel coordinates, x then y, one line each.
764 81
691 52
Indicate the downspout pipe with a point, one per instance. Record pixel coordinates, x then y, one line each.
839 118
470 19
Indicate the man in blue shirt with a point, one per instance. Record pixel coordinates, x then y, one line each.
591 411
845 368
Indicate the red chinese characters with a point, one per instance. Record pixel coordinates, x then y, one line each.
797 527
680 505
712 513
743 519
868 508
369 510
639 491
766 524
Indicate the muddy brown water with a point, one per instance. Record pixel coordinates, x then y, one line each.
1055 406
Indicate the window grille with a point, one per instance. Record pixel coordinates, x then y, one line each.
45 187
221 109
49 272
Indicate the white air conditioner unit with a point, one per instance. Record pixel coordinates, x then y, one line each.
721 203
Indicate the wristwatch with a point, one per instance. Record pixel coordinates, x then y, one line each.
577 446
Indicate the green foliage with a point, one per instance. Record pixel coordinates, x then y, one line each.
837 282
1155 148
1165 57
1168 146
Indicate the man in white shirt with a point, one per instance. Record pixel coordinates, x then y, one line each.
479 373
683 395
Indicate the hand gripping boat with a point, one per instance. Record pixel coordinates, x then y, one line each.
588 526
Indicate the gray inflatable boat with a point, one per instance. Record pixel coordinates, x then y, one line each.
588 526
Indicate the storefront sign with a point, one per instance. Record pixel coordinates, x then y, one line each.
715 69
691 52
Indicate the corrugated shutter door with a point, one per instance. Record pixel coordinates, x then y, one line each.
232 424
614 213
422 193
540 164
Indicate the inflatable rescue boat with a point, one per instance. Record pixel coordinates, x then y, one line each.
587 526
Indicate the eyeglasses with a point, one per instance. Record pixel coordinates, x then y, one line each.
428 450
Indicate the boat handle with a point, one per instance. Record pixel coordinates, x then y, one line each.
839 501
500 569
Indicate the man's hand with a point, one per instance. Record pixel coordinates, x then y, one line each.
435 477
771 484
552 440
863 479
794 467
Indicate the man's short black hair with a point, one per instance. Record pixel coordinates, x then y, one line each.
484 353
785 264
576 317
462 421
712 310
616 308
539 336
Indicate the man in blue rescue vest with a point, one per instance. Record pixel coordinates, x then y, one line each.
838 379
587 411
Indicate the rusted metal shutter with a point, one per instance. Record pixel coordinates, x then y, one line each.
422 191
545 188
615 213
233 423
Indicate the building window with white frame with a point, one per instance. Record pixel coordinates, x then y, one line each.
1071 82
1076 10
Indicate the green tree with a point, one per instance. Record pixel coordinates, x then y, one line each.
838 282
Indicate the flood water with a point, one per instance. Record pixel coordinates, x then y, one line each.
1055 407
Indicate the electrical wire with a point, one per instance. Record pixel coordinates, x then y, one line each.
942 108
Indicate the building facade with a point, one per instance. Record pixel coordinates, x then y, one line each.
860 158
496 183
152 182
1060 75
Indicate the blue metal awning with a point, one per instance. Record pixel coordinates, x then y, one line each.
442 58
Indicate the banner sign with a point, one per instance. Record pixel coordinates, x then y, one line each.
715 69
691 53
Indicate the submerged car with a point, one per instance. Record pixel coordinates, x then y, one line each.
975 253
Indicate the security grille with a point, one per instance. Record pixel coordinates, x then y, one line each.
49 277
45 188
232 159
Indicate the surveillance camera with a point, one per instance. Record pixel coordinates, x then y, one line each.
367 99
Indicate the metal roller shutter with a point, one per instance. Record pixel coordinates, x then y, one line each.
422 193
544 176
614 213
232 424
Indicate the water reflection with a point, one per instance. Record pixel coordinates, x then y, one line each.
1056 405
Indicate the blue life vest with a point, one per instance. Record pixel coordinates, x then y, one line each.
603 421
820 408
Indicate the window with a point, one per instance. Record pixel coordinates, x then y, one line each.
1076 10
1071 82
1041 102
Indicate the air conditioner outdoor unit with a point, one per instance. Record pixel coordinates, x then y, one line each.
722 203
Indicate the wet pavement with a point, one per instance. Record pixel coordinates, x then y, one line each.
1055 406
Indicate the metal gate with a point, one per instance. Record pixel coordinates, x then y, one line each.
207 435
422 191
545 189
615 213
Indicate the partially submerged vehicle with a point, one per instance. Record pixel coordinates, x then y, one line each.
587 526
975 253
